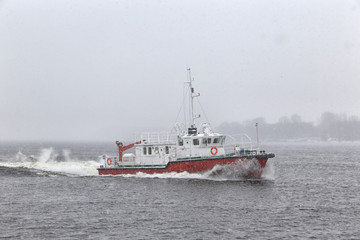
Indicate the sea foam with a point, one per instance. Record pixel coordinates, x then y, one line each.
50 160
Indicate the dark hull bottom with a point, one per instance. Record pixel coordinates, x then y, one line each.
190 166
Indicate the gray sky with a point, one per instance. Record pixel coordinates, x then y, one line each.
102 70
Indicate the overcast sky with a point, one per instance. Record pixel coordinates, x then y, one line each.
102 70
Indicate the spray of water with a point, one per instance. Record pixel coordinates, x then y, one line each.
47 155
269 171
234 172
49 160
20 157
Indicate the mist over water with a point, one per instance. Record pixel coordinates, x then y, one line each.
98 70
309 190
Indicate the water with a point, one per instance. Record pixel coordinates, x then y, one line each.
52 191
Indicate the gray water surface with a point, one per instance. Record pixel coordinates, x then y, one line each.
310 191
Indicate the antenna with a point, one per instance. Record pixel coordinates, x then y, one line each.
257 135
192 96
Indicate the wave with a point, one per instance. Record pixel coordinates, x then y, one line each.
49 161
84 168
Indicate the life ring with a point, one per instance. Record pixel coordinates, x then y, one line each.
214 151
109 161
236 148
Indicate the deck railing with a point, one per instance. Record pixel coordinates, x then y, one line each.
157 138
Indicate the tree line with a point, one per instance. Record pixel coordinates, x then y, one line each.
330 127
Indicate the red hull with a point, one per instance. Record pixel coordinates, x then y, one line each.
188 166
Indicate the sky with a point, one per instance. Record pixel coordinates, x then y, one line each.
94 70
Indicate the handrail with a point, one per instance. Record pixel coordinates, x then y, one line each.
157 138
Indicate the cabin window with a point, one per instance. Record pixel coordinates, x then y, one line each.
196 141
150 150
222 141
167 149
216 140
209 140
156 150
204 141
144 150
181 142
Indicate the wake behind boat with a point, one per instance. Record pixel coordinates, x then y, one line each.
190 150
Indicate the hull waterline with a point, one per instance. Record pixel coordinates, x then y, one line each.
190 166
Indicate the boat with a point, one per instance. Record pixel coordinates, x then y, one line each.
185 149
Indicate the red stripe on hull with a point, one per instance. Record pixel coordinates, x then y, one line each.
188 166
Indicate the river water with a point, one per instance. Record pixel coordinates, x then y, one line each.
52 191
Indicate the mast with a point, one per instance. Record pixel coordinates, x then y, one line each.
192 96
257 135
